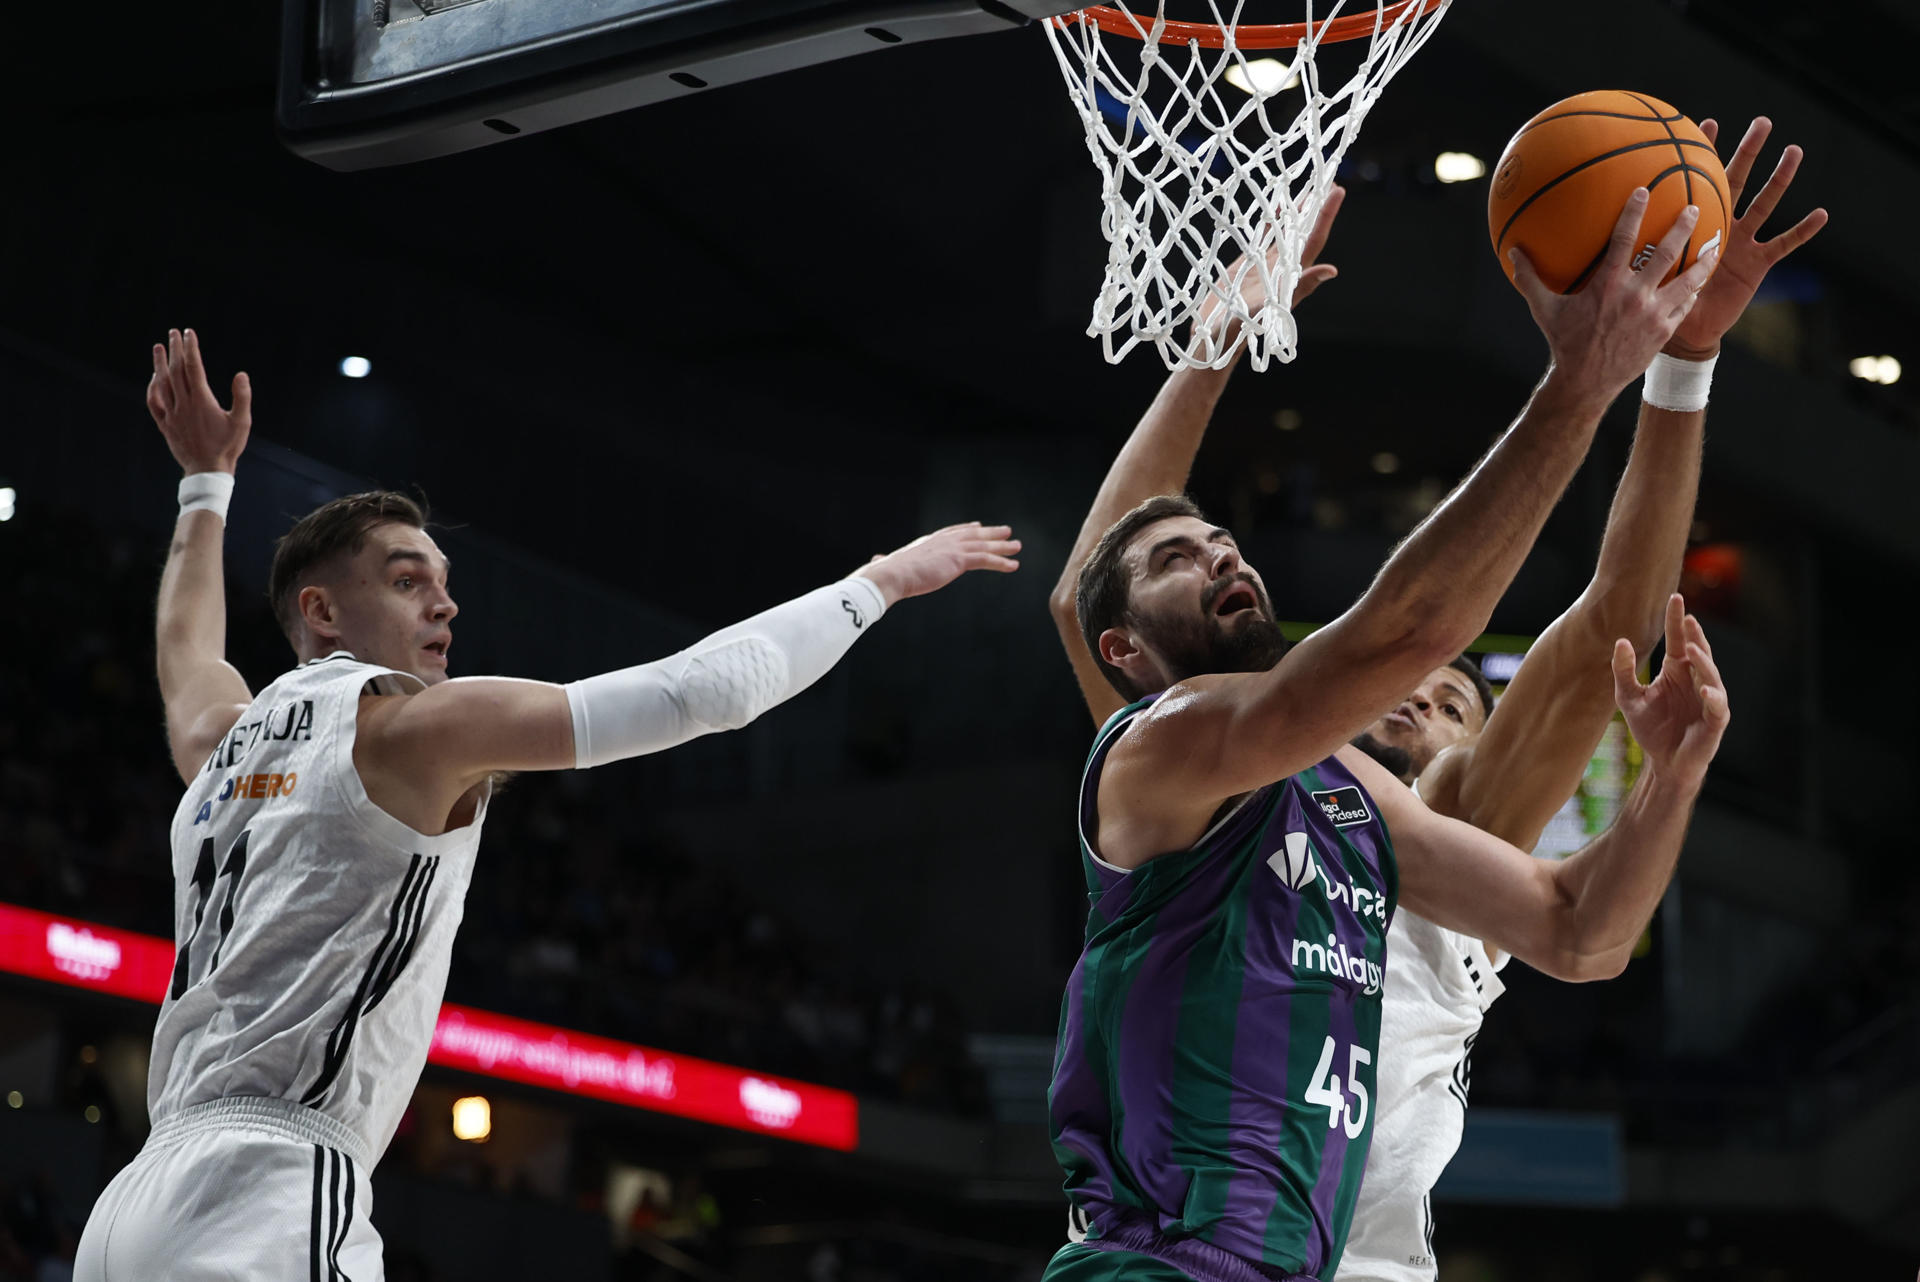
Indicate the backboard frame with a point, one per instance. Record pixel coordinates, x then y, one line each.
368 83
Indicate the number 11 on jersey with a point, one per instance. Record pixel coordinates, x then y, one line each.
1325 1089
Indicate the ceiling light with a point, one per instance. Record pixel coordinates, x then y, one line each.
7 496
356 367
1262 76
1385 463
1458 167
1875 369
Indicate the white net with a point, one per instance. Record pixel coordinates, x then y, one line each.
1214 165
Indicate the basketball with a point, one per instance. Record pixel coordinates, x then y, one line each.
1563 179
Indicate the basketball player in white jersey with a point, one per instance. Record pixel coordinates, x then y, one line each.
1506 775
322 850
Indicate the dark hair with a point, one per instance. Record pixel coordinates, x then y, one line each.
1480 686
336 527
1100 596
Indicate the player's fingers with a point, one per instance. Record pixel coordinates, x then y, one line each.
1323 226
1626 231
196 369
1528 281
1740 166
1311 279
1768 197
1795 236
1626 683
1002 547
180 386
1676 625
1672 245
1710 128
1714 706
1678 294
1698 634
1003 564
159 393
1706 675
243 400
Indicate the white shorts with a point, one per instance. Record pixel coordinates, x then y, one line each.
237 1188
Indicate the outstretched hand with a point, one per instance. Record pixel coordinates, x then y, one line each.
202 436
1678 718
1253 289
1605 335
1744 260
934 560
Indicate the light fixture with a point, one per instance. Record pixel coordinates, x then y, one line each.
1875 369
356 366
1385 463
15 1099
7 496
1458 167
91 1113
472 1118
1262 76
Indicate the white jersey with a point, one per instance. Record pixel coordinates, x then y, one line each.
1438 987
313 929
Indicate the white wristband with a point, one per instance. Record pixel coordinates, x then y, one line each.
1677 385
206 492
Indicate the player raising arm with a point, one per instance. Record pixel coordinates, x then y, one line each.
1243 864
322 850
1507 771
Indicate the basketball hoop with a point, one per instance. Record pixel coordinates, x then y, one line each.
1193 179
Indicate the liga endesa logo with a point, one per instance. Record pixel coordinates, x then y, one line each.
81 953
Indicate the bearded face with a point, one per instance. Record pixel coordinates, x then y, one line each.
1233 630
1193 608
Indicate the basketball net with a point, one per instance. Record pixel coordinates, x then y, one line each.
1208 192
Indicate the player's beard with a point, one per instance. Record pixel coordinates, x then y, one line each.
1198 646
1397 761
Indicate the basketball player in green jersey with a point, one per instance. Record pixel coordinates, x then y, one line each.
1211 1093
1509 780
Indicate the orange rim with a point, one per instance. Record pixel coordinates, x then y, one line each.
1283 35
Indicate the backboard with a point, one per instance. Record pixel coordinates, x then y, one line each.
365 83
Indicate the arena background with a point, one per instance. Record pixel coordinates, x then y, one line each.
662 369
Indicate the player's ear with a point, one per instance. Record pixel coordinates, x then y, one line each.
318 613
1117 645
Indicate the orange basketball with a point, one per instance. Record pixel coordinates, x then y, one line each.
1564 178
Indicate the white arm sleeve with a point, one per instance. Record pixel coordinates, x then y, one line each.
723 682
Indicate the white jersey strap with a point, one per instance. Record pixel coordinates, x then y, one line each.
723 682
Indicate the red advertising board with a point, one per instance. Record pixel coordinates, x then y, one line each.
63 950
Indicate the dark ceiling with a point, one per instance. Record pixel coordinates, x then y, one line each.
835 303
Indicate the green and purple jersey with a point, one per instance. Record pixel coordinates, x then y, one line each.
1214 1076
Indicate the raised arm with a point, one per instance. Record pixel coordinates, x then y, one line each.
203 693
1157 459
419 753
1579 918
1214 737
1513 778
